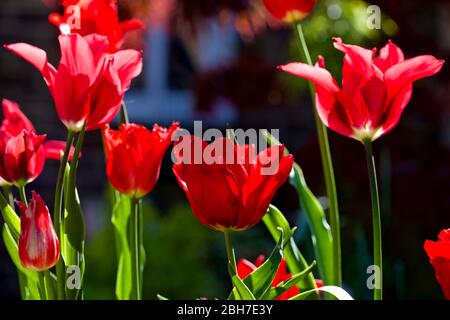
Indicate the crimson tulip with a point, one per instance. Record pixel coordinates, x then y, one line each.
375 90
439 254
38 243
289 11
89 84
229 195
22 157
95 16
134 155
14 122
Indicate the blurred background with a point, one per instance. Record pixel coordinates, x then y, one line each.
215 61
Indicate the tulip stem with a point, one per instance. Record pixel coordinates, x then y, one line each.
123 114
377 249
43 290
23 195
327 164
57 213
230 251
135 248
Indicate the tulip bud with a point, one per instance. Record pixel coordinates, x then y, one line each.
22 157
290 11
38 243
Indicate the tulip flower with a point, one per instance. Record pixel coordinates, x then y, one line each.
374 92
38 243
22 157
14 122
89 84
439 254
229 196
134 155
95 16
290 11
23 152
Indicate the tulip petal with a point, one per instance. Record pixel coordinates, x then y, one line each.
359 59
128 64
55 148
389 56
244 268
73 47
106 98
37 57
14 120
405 73
317 75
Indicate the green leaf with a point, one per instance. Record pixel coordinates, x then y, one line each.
321 233
161 298
260 280
242 290
286 285
295 261
337 292
72 240
121 215
30 277
10 217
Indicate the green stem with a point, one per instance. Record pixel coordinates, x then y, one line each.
230 251
23 195
42 289
377 248
75 158
57 212
10 217
123 116
327 164
135 249
8 194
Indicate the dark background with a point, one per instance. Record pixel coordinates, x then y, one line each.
185 259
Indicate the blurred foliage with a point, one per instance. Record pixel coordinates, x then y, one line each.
185 260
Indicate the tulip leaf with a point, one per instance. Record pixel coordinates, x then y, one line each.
288 284
120 217
337 292
30 278
72 240
321 233
295 261
242 291
260 280
10 217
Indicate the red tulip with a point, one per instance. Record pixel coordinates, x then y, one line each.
224 194
15 122
38 243
374 92
439 254
245 268
22 157
289 11
88 85
95 16
134 155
